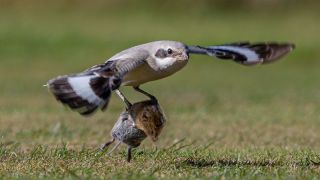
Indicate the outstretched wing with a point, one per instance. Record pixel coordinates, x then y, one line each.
91 89
246 53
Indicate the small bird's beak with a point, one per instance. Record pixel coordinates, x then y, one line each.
182 55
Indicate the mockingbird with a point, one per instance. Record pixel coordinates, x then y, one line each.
91 89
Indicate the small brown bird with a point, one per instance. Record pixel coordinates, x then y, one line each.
140 120
148 117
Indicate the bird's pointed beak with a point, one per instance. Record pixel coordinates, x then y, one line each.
185 55
182 55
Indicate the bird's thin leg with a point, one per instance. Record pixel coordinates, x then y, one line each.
129 154
123 98
107 144
114 148
145 93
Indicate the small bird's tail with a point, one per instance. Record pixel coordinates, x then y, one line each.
84 92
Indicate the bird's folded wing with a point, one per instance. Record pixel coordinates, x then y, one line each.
246 53
123 64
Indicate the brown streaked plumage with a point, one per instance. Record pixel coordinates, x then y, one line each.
148 117
140 120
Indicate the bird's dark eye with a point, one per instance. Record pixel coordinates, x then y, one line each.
170 51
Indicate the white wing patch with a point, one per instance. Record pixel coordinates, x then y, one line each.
81 86
252 57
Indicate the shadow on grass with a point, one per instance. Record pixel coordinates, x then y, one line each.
202 163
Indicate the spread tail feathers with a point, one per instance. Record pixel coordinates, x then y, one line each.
84 92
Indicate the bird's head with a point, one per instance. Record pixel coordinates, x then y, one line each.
169 54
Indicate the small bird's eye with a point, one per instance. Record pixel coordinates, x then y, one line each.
170 51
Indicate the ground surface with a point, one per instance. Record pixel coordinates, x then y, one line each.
224 120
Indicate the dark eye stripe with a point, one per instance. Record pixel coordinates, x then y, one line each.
161 53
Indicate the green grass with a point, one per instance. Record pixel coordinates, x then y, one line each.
224 120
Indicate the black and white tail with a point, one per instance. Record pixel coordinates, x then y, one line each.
84 92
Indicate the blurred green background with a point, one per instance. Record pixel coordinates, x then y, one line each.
209 102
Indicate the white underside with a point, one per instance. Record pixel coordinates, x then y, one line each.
164 63
144 73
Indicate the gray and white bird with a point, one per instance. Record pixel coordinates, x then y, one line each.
91 89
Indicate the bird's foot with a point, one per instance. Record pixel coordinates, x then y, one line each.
153 98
